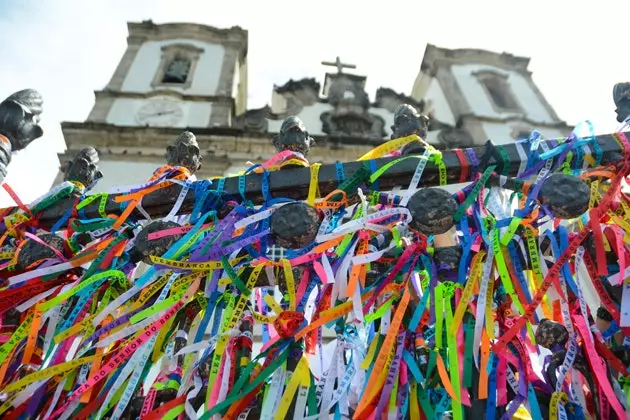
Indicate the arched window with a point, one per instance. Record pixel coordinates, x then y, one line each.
499 91
177 70
177 67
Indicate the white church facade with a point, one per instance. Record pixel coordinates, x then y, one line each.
490 95
179 76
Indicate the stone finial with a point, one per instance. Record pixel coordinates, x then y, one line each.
184 151
621 96
83 168
408 121
19 118
19 124
293 136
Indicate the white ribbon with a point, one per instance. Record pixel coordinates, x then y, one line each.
256 217
481 302
415 180
124 374
364 223
274 394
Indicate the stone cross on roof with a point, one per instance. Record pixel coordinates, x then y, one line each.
340 66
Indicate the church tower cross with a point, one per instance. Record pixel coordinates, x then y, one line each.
340 66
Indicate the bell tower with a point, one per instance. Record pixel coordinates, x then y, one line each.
172 77
488 95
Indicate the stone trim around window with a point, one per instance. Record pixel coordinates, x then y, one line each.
489 80
170 52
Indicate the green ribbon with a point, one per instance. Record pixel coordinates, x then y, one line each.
380 311
469 332
240 389
424 402
236 280
473 194
505 158
47 202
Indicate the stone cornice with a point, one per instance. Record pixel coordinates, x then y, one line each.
434 55
294 85
221 147
105 130
149 31
103 94
516 118
105 127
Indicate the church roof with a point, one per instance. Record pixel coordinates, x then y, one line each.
432 54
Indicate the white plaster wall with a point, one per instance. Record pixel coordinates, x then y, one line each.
123 113
502 133
197 114
278 102
442 111
123 173
432 137
387 116
481 104
205 77
309 116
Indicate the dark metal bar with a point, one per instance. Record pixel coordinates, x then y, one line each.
294 183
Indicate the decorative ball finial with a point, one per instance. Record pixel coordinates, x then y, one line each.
566 196
184 151
293 136
144 247
432 210
33 251
295 225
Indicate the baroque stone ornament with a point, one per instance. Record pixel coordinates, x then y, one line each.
184 151
350 116
83 168
390 100
254 120
19 124
621 96
293 136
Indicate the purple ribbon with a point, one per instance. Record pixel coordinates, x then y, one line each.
401 398
226 250
120 320
226 229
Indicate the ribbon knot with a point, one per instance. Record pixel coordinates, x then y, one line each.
288 323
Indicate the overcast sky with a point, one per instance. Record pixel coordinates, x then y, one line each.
66 49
